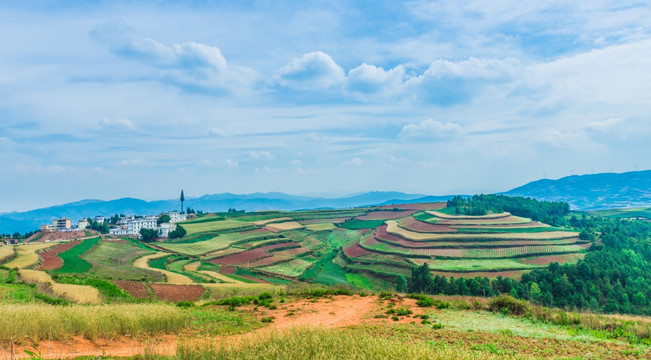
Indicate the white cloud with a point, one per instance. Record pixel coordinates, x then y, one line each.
132 162
190 65
232 164
606 125
217 132
371 80
296 162
431 129
313 71
266 155
354 161
117 123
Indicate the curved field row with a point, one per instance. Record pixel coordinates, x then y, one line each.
81 294
524 226
293 268
385 215
473 265
511 220
220 277
513 274
393 228
172 278
192 266
51 259
420 226
274 220
520 251
337 220
219 242
320 226
27 256
548 259
441 215
284 226
221 253
355 251
252 255
278 256
417 206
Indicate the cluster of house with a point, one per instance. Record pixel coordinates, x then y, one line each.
125 226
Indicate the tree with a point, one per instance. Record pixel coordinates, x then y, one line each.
148 235
401 284
179 232
421 279
182 200
535 294
164 219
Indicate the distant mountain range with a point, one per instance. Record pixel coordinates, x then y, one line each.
593 192
585 192
30 220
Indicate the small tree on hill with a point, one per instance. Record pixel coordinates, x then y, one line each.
164 219
148 235
179 232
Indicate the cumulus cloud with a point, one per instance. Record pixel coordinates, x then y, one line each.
117 124
232 164
372 80
266 155
189 65
353 161
448 83
217 132
313 71
430 129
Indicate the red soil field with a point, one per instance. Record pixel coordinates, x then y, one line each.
174 293
279 256
227 270
546 260
338 220
420 226
420 206
355 251
50 258
115 240
134 288
385 215
63 235
250 255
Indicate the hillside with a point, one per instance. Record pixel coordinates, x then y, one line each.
30 220
591 192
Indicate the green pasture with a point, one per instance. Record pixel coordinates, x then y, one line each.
466 265
114 261
292 268
72 263
354 224
208 226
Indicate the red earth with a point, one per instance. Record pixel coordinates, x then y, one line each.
250 255
355 251
50 257
176 293
134 288
421 226
277 256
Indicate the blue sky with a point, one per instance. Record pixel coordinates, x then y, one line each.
108 99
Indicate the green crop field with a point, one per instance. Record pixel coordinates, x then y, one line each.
215 243
193 228
72 262
114 260
292 268
354 224
475 264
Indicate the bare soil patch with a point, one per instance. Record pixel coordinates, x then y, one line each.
50 257
421 226
134 288
62 235
250 255
176 293
561 259
355 251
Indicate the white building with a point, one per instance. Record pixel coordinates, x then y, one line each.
176 216
82 224
99 219
165 229
147 222
119 231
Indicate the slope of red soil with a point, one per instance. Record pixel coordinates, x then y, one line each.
250 255
420 226
176 293
355 251
134 288
50 257
385 215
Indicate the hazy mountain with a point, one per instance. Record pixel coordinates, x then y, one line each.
33 219
590 192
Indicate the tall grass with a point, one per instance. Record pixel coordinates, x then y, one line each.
36 321
315 343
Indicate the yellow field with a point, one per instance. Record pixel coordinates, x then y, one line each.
6 252
193 228
269 221
221 277
80 294
464 217
27 255
393 228
290 225
172 278
193 266
320 226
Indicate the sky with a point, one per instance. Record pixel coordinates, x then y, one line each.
109 99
